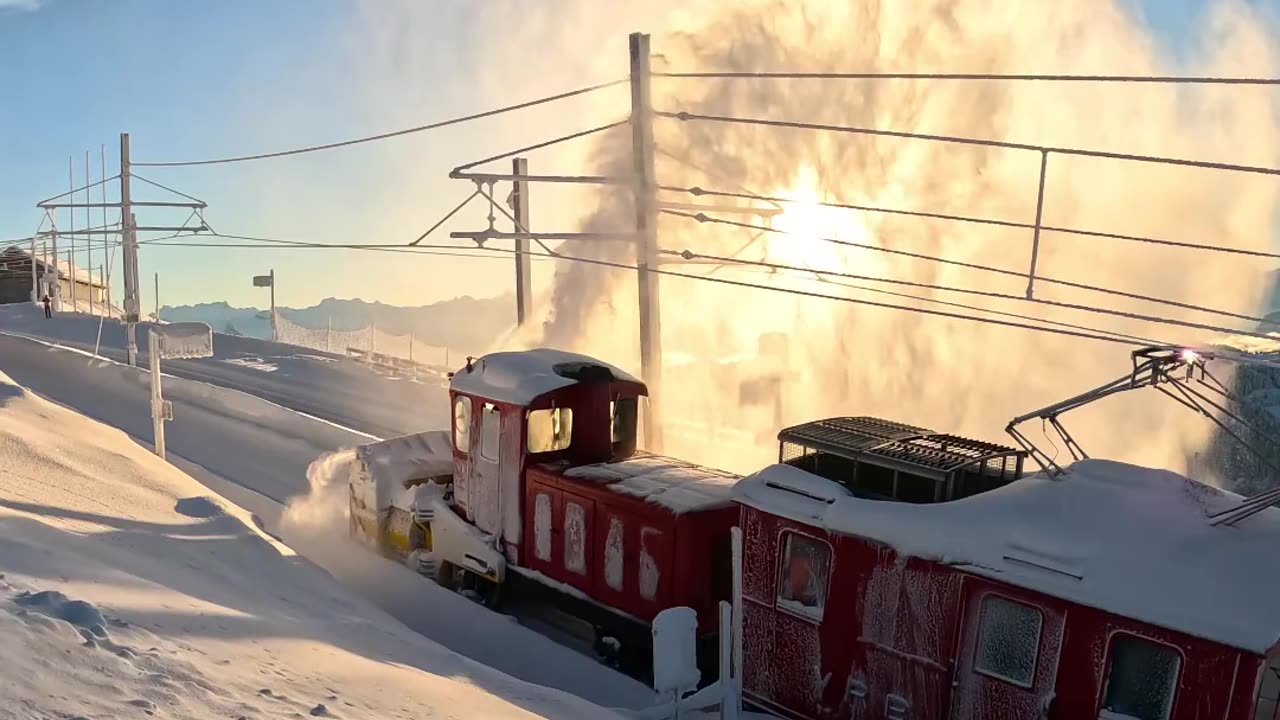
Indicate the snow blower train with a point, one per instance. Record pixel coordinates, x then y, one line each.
888 571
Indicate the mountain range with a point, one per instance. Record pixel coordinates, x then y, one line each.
464 322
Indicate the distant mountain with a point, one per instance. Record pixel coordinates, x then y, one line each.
464 322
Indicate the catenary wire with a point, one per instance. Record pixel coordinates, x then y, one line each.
704 218
1154 79
686 116
392 134
700 192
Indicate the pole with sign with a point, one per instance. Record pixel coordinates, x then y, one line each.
269 281
174 341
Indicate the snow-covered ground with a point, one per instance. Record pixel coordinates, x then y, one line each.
130 589
320 384
256 454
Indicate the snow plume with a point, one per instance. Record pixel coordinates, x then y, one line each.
950 375
323 510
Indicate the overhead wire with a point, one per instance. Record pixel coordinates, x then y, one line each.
544 144
776 200
153 183
819 277
1165 79
392 134
956 139
704 218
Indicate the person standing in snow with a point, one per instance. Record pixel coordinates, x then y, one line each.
48 306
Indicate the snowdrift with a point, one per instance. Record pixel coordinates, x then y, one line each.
127 588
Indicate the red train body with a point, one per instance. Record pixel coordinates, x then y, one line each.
888 571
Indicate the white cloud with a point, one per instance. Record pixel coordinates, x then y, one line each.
20 5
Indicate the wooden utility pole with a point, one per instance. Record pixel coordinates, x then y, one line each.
520 208
646 203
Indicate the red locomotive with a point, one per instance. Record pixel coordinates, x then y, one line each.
888 571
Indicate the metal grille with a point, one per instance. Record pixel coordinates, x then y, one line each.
867 438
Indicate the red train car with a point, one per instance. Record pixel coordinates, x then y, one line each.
896 573
545 462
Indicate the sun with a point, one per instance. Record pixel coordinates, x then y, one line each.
807 227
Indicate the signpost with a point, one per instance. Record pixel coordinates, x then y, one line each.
173 341
269 281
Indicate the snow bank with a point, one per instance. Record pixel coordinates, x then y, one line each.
127 588
1127 539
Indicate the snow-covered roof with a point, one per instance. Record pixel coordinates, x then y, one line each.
84 276
519 378
674 484
1125 539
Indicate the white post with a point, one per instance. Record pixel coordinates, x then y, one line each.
71 254
728 706
735 535
328 337
275 330
373 337
410 346
157 297
646 235
35 278
88 221
157 400
55 290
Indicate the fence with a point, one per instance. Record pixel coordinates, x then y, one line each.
366 342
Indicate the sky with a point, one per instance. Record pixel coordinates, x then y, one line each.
202 80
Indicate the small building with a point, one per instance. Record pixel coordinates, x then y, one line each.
15 280
891 572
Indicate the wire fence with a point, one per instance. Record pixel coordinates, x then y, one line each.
369 339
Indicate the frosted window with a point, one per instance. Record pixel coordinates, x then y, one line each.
806 565
614 557
575 538
1268 693
542 527
490 432
550 429
462 424
1008 640
1142 678
650 573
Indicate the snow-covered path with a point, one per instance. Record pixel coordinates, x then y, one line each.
256 454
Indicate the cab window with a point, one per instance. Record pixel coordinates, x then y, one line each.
806 567
462 424
550 429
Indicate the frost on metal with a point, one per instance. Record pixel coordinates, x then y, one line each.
613 555
649 573
542 527
575 534
184 340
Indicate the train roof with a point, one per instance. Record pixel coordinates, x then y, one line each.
520 377
1128 540
679 486
920 450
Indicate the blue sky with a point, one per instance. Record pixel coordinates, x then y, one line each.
204 79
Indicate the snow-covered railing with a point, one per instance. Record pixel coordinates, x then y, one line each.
369 339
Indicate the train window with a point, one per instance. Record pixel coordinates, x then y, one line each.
1008 640
614 555
1142 678
1268 692
806 567
462 424
550 429
623 416
575 538
490 432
